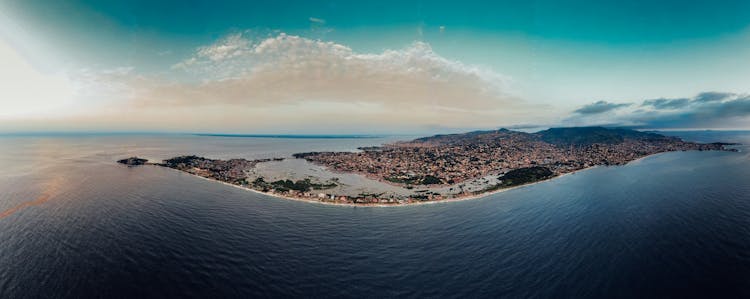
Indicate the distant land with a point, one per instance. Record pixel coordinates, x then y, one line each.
441 165
293 136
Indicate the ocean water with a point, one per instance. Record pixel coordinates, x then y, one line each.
74 224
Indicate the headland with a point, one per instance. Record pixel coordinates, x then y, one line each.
438 168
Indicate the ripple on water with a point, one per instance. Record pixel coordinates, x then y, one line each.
671 225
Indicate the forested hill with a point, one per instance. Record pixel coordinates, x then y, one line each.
591 135
579 136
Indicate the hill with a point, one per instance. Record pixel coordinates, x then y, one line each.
579 136
592 135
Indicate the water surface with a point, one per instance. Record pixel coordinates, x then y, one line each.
76 224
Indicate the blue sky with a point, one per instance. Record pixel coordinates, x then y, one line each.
407 66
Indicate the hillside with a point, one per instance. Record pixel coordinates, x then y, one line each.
579 136
592 135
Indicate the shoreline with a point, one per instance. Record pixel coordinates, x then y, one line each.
447 200
379 205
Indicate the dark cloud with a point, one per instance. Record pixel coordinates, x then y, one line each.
667 103
705 110
727 112
739 107
711 96
599 107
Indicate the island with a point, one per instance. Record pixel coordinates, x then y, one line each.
133 161
437 168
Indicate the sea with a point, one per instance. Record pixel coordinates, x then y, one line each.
75 224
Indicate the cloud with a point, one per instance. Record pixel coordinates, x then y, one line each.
712 96
732 113
292 70
229 47
317 20
663 103
705 110
285 81
599 107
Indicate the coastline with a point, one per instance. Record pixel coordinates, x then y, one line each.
379 205
440 163
453 199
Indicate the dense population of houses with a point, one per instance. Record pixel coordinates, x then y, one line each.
457 160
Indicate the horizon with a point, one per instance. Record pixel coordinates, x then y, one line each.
385 149
335 135
409 67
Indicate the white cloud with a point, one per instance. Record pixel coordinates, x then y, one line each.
291 69
317 20
291 82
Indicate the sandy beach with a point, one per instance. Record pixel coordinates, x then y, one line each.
454 199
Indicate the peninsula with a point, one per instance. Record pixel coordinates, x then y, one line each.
438 167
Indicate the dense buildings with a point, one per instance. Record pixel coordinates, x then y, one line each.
451 159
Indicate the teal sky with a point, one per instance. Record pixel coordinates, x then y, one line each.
553 56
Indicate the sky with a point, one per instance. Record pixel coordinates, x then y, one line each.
308 67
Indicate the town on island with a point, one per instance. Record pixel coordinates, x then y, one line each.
440 167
